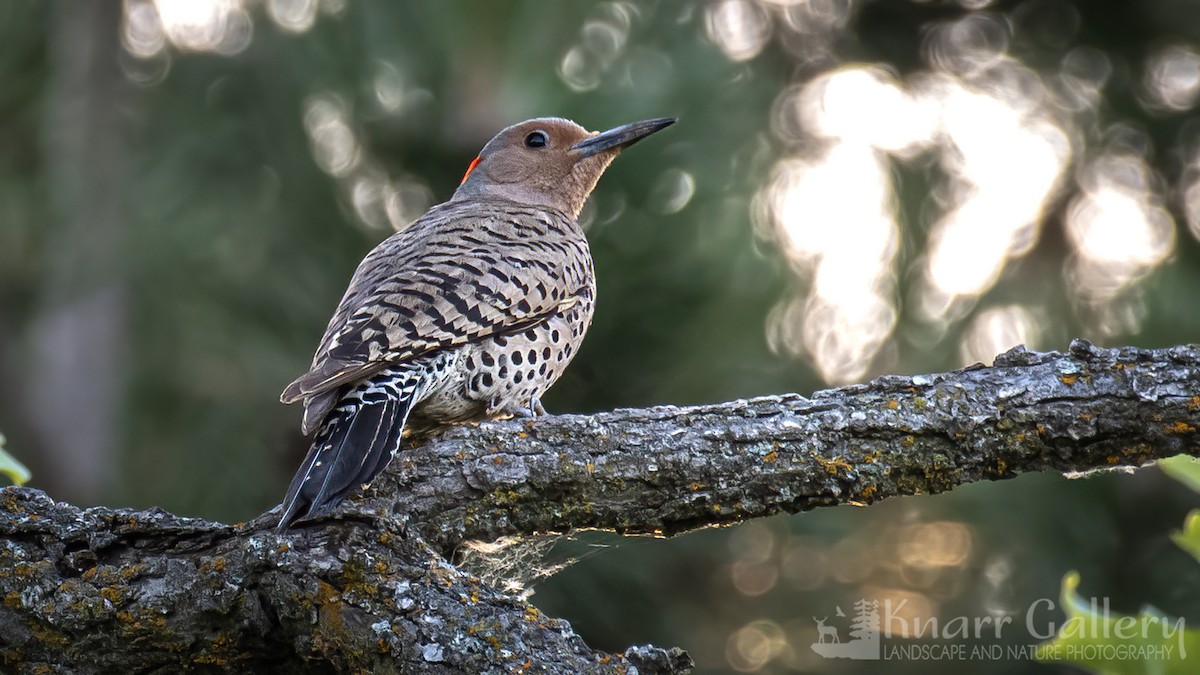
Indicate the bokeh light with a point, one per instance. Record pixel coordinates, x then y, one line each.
602 40
999 138
996 330
740 28
753 645
293 16
334 144
1118 226
1172 79
221 26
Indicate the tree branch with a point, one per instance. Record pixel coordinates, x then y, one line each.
370 588
667 470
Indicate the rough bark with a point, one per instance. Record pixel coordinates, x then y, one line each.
371 588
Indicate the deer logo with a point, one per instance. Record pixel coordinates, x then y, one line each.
824 631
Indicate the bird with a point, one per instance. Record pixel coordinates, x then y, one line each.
469 314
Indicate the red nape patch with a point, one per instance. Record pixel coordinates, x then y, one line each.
474 163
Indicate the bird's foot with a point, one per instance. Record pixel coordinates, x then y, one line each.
533 410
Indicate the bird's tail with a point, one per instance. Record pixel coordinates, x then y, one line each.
357 440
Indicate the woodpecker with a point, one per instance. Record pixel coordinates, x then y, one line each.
468 314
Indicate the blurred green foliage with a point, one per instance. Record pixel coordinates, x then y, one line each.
201 180
1184 469
16 472
1117 644
1104 642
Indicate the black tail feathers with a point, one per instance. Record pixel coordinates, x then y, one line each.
355 443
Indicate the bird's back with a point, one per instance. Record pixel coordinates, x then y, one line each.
463 272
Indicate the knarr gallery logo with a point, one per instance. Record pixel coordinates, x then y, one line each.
885 631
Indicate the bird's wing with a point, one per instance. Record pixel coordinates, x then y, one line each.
449 279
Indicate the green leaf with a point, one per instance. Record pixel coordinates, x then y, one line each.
1104 641
10 467
1189 538
1183 468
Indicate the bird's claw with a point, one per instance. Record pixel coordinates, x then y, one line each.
533 410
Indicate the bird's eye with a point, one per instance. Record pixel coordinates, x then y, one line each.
536 139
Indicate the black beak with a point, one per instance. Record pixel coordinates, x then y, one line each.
621 137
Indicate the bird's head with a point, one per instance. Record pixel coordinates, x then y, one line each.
549 161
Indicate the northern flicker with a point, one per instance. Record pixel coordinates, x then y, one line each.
469 314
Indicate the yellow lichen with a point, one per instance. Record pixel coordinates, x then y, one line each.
833 466
45 634
1181 427
130 572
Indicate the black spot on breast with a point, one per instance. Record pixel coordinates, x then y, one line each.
488 359
533 356
517 358
487 379
517 377
546 353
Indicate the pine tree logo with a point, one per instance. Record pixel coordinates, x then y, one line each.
863 644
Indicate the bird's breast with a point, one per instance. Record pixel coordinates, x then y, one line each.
503 375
